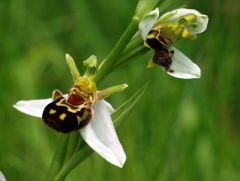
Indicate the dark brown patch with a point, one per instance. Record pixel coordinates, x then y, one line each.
155 44
70 122
162 55
163 58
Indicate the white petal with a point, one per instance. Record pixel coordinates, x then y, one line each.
32 107
2 178
148 22
202 20
100 135
183 67
109 107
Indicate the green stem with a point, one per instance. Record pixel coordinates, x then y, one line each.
77 158
72 143
136 41
80 144
145 6
58 158
141 50
164 5
117 49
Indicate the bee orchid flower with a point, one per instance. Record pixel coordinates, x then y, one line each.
161 33
83 109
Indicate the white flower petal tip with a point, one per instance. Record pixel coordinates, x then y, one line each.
100 135
147 23
182 67
32 107
2 177
199 26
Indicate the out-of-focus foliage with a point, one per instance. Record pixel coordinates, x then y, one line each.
180 130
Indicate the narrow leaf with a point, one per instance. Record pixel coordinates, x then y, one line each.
58 158
164 5
125 109
72 143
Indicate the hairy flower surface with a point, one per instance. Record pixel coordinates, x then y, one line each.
83 109
161 33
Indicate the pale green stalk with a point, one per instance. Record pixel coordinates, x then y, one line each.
136 41
141 50
72 144
145 6
117 50
58 158
75 160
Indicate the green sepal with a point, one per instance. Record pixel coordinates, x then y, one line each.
92 65
177 29
72 67
109 91
172 31
90 62
189 20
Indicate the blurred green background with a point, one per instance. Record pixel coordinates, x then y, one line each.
181 129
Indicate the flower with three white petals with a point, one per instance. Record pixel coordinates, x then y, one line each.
167 29
99 133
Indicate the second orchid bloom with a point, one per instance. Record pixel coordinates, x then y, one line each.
83 109
161 33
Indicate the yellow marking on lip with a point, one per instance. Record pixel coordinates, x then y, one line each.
52 111
64 104
84 116
79 119
62 116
